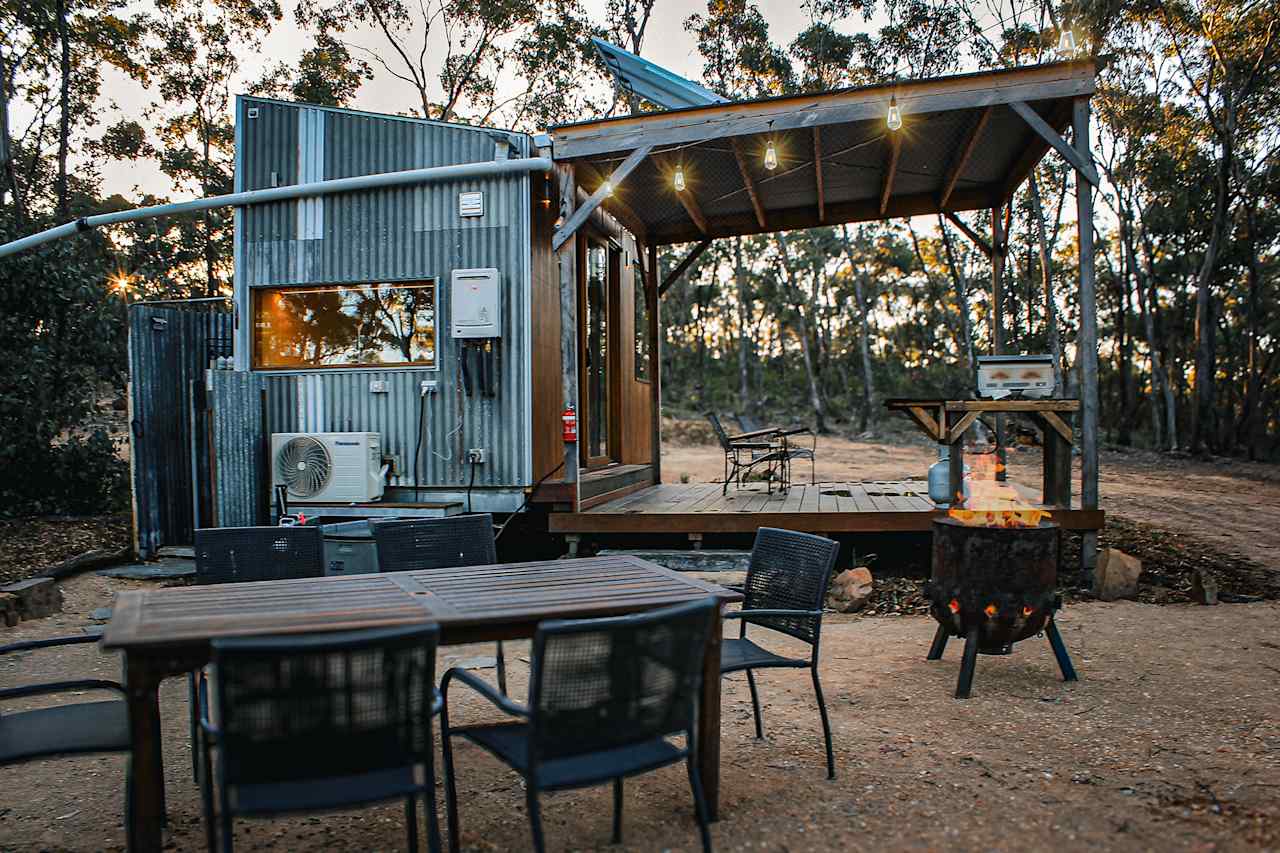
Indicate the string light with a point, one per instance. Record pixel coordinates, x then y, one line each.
1067 44
678 180
608 188
894 119
771 156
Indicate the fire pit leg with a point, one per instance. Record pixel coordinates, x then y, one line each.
967 664
939 643
1060 652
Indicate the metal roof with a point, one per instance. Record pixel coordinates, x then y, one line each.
653 82
961 147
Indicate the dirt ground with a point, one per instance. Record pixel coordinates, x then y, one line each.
1170 741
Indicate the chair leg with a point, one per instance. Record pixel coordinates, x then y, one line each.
502 670
129 841
206 797
826 723
755 706
193 702
535 816
429 803
411 821
699 803
617 811
228 842
450 788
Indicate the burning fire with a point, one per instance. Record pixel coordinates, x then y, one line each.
1026 612
954 606
991 610
991 503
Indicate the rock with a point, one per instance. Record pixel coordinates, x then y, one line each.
166 569
1204 589
8 609
1116 575
850 590
101 614
36 597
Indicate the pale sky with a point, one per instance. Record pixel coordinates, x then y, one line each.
666 43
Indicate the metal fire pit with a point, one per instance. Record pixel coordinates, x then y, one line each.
994 586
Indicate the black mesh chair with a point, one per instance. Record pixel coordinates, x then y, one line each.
744 452
753 425
72 729
604 696
243 554
322 722
785 590
439 543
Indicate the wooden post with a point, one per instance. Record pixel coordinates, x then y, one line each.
708 737
955 457
568 260
655 359
1087 342
998 249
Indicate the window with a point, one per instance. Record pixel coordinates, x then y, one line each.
598 350
642 325
345 325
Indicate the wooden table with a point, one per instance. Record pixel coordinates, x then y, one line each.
166 632
946 421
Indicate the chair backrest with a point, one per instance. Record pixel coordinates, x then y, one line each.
435 543
597 684
236 554
789 571
721 435
308 707
748 423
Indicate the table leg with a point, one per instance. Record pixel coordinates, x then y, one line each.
142 684
709 719
1057 468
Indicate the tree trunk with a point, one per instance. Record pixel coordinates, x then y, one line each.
1149 306
962 300
8 174
1251 421
1203 433
64 120
210 283
798 303
1046 279
744 341
868 414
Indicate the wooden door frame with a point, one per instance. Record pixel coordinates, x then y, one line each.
586 237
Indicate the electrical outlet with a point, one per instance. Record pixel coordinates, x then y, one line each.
476 455
377 386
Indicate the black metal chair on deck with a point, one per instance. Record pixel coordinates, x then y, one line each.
439 543
322 722
72 729
240 555
604 697
753 425
744 452
785 590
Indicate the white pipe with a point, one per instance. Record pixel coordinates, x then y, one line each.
340 185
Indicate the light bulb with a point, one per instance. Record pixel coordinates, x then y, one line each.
894 119
678 180
608 188
1067 44
771 156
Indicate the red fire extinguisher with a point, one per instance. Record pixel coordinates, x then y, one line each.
570 418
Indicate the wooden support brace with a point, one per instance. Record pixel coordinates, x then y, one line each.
1049 135
921 416
579 216
890 170
674 275
1059 425
691 207
983 245
962 158
959 427
747 179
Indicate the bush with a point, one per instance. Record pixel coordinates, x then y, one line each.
78 477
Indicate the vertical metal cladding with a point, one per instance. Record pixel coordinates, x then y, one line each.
240 468
400 234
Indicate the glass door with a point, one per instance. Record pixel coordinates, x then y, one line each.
597 342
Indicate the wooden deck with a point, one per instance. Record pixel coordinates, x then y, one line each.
864 507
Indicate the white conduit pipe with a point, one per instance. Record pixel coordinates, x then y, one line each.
340 185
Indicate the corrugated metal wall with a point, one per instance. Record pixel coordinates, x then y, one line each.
403 234
168 351
239 448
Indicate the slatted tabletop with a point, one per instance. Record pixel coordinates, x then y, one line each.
474 595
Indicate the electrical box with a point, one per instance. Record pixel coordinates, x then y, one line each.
476 304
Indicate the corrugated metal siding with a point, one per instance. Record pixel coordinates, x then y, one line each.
240 466
402 234
168 350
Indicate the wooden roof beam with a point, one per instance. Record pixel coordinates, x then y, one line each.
580 214
973 236
1049 135
817 173
692 208
747 179
1033 149
890 169
962 158
674 275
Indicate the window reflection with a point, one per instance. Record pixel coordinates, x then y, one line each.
345 325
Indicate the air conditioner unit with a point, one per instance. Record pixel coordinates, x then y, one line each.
328 467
